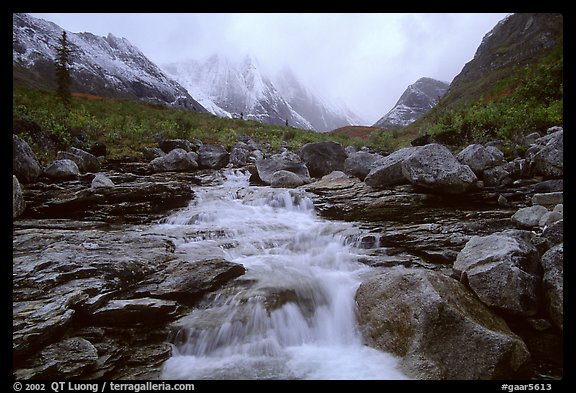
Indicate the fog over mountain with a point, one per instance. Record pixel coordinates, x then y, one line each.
363 60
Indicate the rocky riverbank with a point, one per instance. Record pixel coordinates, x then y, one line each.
474 244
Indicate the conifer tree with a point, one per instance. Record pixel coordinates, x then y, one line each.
62 65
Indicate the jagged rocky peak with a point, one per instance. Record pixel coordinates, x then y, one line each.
416 100
105 66
243 87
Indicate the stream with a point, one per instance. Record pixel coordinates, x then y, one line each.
293 314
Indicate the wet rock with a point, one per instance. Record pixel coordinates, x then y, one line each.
553 283
18 203
285 179
503 270
323 157
529 217
434 167
213 156
60 170
438 328
480 158
101 181
359 163
25 165
176 160
240 155
387 172
549 161
167 145
128 312
266 167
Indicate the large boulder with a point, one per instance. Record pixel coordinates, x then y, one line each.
553 283
529 217
18 204
266 167
359 163
240 154
62 170
213 157
434 167
387 171
503 270
85 161
439 328
25 165
323 157
549 161
480 158
285 179
167 145
178 160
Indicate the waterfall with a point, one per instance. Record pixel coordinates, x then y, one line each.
292 315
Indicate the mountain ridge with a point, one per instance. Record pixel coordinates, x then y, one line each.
103 66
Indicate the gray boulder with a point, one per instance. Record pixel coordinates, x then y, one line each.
548 198
553 283
18 204
438 328
240 154
151 153
387 171
323 157
554 233
101 181
434 167
529 217
266 167
480 158
359 163
178 160
25 165
167 145
213 157
285 179
88 161
549 161
62 170
503 270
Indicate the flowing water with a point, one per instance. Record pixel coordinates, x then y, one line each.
293 314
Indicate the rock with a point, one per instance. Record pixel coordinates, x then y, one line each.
434 167
176 160
553 283
285 179
25 165
549 161
62 170
129 312
387 171
289 162
547 199
69 358
98 149
422 140
480 158
87 163
554 232
554 129
549 186
500 175
503 270
240 154
101 181
213 156
529 217
151 153
188 281
530 138
359 163
439 328
323 157
18 203
167 145
549 218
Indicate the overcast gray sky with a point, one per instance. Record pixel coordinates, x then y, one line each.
365 60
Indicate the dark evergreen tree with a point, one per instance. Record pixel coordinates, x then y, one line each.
62 64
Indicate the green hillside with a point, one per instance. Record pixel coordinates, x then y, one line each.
127 126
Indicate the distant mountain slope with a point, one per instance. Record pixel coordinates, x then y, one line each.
416 100
231 88
104 66
516 41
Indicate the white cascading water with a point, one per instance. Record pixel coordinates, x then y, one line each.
293 314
